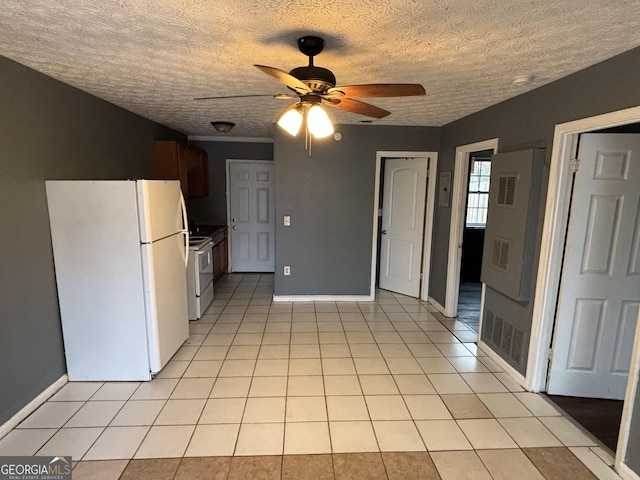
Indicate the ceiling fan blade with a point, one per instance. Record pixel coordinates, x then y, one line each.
289 80
374 90
281 96
361 108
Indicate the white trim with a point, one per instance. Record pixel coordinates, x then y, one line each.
595 463
502 363
33 405
228 163
374 241
481 317
550 262
436 304
456 226
215 138
629 399
626 473
323 298
432 165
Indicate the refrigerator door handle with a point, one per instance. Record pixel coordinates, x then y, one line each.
185 229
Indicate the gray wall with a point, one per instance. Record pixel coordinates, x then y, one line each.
212 209
49 130
329 196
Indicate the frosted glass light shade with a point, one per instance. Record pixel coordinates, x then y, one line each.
318 122
291 121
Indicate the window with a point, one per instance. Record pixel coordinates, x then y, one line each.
478 192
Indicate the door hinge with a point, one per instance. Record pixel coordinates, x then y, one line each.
574 165
550 354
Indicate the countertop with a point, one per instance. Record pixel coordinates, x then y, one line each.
207 230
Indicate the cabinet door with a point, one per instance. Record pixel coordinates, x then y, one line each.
224 258
168 164
198 172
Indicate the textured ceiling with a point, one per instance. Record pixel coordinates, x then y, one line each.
153 57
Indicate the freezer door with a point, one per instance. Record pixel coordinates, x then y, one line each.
161 209
165 283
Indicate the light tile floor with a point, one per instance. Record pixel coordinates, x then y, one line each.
262 378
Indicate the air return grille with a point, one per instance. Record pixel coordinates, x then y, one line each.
504 336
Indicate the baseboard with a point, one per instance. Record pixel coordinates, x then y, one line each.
323 298
435 303
32 406
628 474
502 363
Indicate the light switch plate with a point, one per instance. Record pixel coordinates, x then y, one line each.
287 221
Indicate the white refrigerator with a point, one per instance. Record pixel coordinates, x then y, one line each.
120 249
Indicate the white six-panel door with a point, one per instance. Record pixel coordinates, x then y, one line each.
404 193
600 286
252 216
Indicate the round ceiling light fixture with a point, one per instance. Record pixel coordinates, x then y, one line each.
223 127
522 80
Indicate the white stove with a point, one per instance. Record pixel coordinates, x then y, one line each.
199 276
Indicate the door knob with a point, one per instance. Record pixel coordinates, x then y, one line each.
234 227
233 220
384 232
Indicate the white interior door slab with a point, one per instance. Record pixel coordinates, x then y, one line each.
403 202
600 288
252 215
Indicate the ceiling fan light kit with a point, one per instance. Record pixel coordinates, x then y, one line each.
291 121
318 122
316 85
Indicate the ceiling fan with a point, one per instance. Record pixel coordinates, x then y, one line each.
315 86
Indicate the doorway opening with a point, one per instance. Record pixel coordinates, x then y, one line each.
475 222
551 263
589 381
457 227
251 215
403 198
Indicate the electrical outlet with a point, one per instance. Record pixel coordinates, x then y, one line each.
287 220
287 270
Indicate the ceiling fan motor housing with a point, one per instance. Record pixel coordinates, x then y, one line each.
317 78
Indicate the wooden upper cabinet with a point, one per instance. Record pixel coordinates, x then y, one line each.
174 161
198 173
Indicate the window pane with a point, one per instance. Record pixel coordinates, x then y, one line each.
485 168
478 197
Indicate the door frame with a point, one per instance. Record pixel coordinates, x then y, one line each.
227 195
432 168
456 225
554 233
